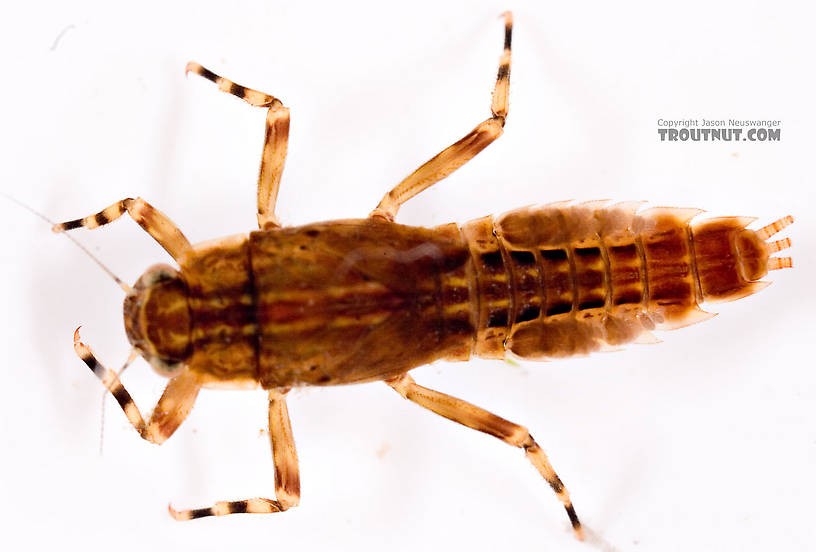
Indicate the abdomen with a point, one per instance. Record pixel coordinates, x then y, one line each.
560 280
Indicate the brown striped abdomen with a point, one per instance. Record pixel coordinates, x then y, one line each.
565 279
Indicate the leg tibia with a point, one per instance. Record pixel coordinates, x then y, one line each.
287 476
153 221
273 157
453 157
250 96
481 420
173 407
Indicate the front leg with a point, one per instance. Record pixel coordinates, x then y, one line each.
153 221
173 407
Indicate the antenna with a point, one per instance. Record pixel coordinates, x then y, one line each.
108 271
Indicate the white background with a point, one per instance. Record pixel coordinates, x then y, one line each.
704 442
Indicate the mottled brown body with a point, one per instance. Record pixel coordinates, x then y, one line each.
359 300
352 301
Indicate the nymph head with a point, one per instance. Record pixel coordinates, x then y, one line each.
157 319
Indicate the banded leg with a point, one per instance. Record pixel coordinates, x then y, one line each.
173 407
275 141
456 155
287 477
153 221
477 418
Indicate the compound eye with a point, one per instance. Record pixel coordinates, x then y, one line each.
165 368
156 274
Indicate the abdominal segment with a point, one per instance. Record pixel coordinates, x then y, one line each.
569 279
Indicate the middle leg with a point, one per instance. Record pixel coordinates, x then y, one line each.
275 142
477 418
287 476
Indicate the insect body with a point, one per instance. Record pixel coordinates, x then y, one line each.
362 300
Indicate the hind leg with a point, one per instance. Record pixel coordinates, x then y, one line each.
479 419
456 155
